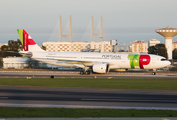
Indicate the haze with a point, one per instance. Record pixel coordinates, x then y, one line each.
125 20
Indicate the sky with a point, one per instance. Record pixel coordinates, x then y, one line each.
124 20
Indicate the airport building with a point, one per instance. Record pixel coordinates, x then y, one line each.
77 46
15 62
140 47
23 62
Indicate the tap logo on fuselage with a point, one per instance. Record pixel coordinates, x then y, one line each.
138 60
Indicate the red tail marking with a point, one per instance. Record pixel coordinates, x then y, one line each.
27 41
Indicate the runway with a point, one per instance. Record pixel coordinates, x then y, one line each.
103 118
71 74
87 98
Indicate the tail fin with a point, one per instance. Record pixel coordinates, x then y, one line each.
27 42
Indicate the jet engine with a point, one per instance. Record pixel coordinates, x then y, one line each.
100 68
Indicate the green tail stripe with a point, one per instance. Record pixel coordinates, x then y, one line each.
20 32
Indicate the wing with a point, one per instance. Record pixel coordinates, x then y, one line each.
85 63
82 64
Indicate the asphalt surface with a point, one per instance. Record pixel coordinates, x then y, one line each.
87 98
84 97
62 74
155 118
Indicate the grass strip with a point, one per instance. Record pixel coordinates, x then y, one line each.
22 112
119 83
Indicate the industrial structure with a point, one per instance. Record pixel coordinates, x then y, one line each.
70 30
103 46
101 30
168 33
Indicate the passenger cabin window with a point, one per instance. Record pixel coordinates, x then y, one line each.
163 59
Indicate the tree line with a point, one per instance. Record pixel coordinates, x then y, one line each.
13 48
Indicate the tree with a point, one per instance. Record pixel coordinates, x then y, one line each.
152 50
15 45
11 49
43 47
175 53
158 49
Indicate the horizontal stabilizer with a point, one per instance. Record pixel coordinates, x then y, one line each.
12 52
25 53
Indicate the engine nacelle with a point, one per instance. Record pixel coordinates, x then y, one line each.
100 68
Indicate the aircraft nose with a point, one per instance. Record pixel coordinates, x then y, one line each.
168 63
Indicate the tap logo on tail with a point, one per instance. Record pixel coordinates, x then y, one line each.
25 38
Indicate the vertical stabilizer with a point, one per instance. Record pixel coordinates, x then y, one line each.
28 43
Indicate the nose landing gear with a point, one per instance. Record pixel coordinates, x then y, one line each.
154 73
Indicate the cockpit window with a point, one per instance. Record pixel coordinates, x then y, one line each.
163 59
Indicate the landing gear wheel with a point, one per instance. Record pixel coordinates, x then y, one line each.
87 72
154 73
81 72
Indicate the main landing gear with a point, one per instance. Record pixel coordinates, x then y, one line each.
84 72
154 72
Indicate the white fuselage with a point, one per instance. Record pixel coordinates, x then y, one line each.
115 60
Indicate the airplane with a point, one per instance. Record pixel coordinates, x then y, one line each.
97 62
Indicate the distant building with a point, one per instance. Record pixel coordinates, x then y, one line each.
131 48
174 44
15 62
153 42
139 46
77 46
